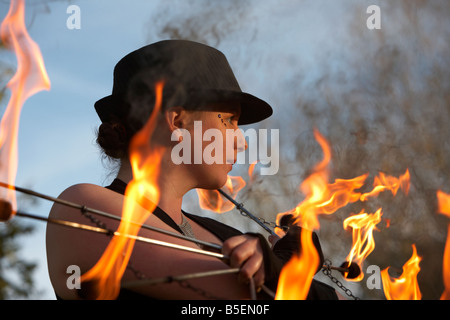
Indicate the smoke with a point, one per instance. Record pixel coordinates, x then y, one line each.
380 97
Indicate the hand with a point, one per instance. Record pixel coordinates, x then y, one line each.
245 252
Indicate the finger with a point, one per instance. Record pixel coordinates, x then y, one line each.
243 251
230 244
252 268
259 277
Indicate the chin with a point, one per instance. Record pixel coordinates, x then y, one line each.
214 184
214 179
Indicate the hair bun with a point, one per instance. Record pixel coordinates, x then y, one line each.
112 139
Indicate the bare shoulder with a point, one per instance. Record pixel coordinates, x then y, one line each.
88 195
68 246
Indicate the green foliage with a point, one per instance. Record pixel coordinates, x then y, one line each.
16 274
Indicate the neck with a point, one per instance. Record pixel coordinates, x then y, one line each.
172 184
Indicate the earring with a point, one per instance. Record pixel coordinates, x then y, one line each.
177 135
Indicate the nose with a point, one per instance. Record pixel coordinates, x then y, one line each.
241 143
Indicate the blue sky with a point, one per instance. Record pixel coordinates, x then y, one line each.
56 135
56 139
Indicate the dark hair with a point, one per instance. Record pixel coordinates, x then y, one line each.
114 135
113 139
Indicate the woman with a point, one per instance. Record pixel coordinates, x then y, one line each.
199 87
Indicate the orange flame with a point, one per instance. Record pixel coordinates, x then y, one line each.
30 78
251 169
296 276
212 200
385 182
406 286
362 226
444 208
143 190
325 198
443 202
321 198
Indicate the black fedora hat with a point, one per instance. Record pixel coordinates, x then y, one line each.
194 74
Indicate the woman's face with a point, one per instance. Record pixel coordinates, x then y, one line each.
215 142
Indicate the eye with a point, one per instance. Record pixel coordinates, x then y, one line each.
229 119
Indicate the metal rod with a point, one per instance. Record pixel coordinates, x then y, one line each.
83 208
252 289
340 269
241 208
148 227
169 279
115 233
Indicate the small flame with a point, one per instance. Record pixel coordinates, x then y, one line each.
443 202
143 191
30 78
362 226
212 200
251 169
406 286
444 208
385 182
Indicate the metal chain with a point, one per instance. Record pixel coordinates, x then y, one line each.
95 220
327 271
187 285
268 223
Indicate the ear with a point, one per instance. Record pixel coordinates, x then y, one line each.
174 118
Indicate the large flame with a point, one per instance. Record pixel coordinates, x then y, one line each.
321 198
362 226
143 191
212 200
444 208
30 78
406 286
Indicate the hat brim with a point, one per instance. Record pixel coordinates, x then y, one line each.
253 109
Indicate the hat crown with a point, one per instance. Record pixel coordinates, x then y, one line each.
191 65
